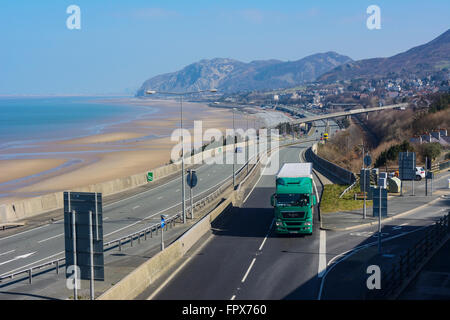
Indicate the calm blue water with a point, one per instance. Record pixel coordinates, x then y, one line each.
27 120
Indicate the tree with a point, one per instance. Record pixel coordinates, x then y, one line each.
431 150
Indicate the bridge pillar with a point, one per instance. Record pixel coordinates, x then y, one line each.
367 116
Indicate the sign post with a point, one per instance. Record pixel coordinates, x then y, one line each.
163 224
407 168
379 207
192 182
83 233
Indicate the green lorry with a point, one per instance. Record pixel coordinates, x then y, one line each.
294 199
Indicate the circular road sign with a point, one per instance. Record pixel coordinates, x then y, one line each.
191 181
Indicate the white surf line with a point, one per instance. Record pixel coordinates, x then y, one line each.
173 274
2 254
248 270
23 256
58 235
322 254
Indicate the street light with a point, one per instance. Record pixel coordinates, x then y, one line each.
234 150
181 94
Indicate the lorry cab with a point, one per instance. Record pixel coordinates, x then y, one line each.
294 200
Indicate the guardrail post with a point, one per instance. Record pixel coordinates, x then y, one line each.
30 275
139 237
131 240
57 266
120 244
151 233
145 235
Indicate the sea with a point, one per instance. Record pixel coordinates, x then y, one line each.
30 120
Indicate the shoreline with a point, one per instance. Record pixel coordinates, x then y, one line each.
120 150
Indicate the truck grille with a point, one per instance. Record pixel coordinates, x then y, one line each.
293 215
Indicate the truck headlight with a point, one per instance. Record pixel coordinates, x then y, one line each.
278 223
307 223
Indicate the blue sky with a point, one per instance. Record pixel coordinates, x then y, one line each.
122 43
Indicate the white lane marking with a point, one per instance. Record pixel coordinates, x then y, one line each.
17 234
24 267
159 198
178 190
58 235
322 254
248 270
267 235
233 297
346 254
173 274
104 219
134 208
260 176
2 254
18 257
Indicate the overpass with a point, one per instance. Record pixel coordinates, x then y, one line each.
346 113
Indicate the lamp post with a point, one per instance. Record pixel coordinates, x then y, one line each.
234 151
181 94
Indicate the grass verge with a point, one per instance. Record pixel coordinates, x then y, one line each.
331 203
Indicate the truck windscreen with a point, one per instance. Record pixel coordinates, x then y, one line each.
292 199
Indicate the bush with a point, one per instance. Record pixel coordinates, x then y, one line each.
431 150
392 153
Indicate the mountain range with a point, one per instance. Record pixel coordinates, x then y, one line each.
231 76
419 61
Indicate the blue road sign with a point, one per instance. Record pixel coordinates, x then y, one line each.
191 181
407 165
78 229
163 223
367 160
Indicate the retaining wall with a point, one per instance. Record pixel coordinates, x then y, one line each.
26 208
136 282
328 168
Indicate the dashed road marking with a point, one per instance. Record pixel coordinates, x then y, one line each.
248 270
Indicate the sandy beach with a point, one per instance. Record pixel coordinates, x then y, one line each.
120 150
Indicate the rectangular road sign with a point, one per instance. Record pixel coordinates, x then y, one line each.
376 201
364 180
407 165
149 176
83 233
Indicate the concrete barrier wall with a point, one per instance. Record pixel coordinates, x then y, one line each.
326 167
136 282
30 207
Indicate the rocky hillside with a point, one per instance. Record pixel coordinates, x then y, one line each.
420 61
228 75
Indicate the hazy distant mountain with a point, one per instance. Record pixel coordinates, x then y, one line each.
228 75
419 61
